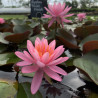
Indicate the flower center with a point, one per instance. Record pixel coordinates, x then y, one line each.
43 49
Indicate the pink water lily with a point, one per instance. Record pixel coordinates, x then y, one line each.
42 59
57 13
81 16
2 21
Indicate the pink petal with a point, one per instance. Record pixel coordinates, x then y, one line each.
45 57
65 11
37 42
30 47
23 63
65 20
29 69
22 56
46 16
28 56
52 44
69 15
63 6
52 74
36 82
44 44
36 55
58 70
51 22
58 51
49 11
58 61
40 64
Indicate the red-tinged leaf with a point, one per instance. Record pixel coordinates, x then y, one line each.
89 46
17 38
67 39
84 31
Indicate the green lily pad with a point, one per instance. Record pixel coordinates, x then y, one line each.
8 87
8 58
34 37
2 36
17 22
89 65
24 91
22 29
89 38
34 24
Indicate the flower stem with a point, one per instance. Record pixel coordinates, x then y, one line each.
55 29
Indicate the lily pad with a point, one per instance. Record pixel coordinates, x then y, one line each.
21 29
85 31
8 85
67 39
8 58
89 46
89 64
24 91
18 21
2 36
93 37
34 37
17 38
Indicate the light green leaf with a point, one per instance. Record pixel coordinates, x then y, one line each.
8 58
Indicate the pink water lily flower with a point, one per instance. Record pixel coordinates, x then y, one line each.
57 13
2 21
81 16
42 59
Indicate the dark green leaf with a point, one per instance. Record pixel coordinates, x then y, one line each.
24 91
89 64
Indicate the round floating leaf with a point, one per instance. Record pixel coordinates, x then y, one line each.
34 37
17 38
21 29
24 91
85 31
8 58
8 85
34 24
18 21
89 38
89 64
89 46
6 27
67 39
7 90
2 36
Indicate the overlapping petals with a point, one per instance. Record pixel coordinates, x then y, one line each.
2 21
57 13
42 58
81 16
